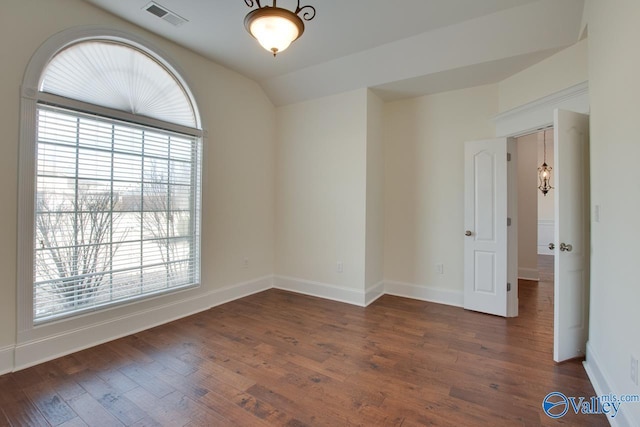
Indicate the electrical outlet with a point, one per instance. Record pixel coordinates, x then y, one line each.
245 263
634 370
440 268
339 267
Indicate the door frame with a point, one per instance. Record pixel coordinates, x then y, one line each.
532 116
536 114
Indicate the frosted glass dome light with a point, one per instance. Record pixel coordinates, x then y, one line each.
276 28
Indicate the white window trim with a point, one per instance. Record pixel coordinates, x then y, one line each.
30 96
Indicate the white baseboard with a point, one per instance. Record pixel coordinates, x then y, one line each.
320 290
240 290
602 386
363 299
528 274
373 293
6 359
423 293
37 351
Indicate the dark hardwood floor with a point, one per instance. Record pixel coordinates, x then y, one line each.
278 358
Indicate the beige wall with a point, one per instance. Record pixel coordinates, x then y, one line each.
614 70
424 182
374 260
560 71
528 206
321 163
238 190
330 196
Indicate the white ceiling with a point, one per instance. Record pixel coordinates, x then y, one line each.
399 48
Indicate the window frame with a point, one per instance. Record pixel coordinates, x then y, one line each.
78 132
30 97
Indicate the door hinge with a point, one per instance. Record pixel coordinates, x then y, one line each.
508 157
508 287
508 222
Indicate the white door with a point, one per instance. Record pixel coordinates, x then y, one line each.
485 245
571 291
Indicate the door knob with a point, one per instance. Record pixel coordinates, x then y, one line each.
552 246
468 233
565 247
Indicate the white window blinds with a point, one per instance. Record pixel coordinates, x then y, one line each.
117 212
117 76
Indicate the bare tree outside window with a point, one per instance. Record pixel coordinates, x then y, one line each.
165 223
74 243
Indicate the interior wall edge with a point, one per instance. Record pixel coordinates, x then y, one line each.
528 274
602 384
6 359
374 292
320 290
424 293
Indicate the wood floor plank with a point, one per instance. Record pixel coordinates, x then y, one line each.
66 387
237 410
76 422
155 386
92 412
4 422
283 359
24 413
146 422
275 399
159 413
50 404
112 400
117 380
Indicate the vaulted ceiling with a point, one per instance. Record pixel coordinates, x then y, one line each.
401 48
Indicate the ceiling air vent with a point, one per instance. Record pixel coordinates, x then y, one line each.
164 13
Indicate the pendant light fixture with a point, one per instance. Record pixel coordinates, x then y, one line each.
544 171
276 28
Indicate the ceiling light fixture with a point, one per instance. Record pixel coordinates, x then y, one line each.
276 28
544 171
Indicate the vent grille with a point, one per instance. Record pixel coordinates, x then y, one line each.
159 12
165 14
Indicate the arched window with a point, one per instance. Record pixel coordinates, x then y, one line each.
115 212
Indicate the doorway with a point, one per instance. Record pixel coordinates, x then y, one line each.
571 234
536 223
487 183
